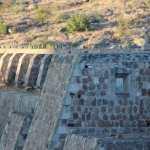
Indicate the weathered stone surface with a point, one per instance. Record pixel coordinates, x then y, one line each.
5 108
11 132
75 142
80 106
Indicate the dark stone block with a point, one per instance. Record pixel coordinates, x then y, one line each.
93 103
135 109
124 117
88 116
105 131
83 117
92 86
78 79
110 146
111 103
101 123
71 124
99 102
117 123
123 109
121 123
91 131
79 108
72 95
105 102
75 116
118 109
103 109
103 93
110 109
130 109
24 136
105 117
85 87
113 132
63 121
81 101
131 117
112 117
85 110
147 145
83 131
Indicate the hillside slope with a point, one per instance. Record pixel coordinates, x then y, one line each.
108 23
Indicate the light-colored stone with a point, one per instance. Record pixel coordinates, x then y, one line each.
76 142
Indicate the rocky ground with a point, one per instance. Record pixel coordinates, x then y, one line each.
113 23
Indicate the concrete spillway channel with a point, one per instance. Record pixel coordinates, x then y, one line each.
24 69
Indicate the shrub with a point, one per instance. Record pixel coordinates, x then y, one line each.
41 15
147 3
3 28
78 23
16 9
123 29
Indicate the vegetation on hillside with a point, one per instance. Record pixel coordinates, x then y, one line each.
40 15
3 27
79 23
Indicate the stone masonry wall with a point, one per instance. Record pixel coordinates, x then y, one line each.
98 108
89 101
108 99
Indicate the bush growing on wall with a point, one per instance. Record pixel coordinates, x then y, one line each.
78 23
3 28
